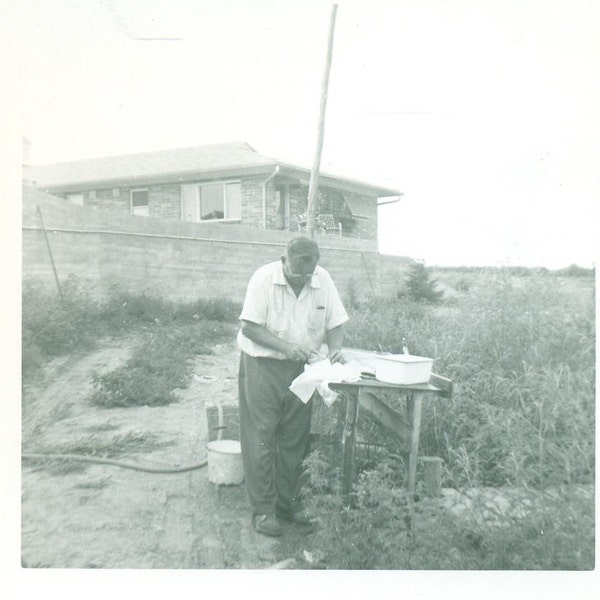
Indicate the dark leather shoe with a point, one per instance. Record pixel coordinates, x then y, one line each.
267 525
299 517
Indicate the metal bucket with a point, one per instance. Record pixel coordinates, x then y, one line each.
225 465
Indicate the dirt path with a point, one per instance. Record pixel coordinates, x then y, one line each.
92 515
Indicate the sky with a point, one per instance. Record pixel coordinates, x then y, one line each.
484 114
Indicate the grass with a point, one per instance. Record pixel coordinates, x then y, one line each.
520 348
173 334
51 328
556 532
116 444
522 358
160 366
113 446
94 484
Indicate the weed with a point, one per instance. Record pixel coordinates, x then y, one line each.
61 411
351 297
520 348
116 445
521 355
51 327
160 366
94 484
64 467
107 446
107 426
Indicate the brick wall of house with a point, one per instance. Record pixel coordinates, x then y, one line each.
164 202
106 200
273 201
365 210
252 190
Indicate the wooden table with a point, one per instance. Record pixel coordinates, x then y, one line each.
351 393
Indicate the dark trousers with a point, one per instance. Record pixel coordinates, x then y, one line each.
274 432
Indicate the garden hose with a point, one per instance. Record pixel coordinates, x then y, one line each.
118 463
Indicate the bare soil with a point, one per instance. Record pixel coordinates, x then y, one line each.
81 515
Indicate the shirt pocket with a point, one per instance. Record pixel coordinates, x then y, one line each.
317 318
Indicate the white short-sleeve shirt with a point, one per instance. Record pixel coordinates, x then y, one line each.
271 303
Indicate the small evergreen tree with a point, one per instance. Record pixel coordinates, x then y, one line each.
420 287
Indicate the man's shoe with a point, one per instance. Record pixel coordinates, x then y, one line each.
267 525
299 517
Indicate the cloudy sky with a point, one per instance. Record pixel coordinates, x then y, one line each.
483 113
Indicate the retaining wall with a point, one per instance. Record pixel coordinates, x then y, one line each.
173 259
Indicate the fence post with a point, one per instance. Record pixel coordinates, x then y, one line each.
39 213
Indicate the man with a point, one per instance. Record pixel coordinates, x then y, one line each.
291 308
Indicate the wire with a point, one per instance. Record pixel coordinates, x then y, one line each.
118 463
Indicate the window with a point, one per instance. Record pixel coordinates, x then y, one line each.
211 201
139 202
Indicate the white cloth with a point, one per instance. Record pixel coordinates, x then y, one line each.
271 303
318 375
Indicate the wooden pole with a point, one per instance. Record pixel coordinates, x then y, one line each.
39 212
414 404
313 187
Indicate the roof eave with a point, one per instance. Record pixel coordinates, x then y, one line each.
175 177
300 174
351 185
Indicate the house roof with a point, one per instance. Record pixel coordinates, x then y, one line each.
182 164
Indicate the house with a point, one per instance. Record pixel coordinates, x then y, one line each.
226 183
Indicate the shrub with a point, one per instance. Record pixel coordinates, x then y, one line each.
51 327
462 285
420 287
576 271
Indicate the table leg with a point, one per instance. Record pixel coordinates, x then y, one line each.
350 416
414 406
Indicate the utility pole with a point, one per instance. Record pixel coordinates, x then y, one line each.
313 187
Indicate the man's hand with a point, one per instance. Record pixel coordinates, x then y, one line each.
334 339
336 356
297 352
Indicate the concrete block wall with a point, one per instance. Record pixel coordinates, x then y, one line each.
171 259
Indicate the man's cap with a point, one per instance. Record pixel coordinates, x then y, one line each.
303 246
